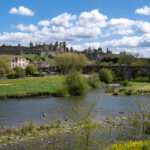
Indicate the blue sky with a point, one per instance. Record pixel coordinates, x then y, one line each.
114 24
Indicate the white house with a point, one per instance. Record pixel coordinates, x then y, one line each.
18 61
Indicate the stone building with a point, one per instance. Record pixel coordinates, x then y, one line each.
18 61
96 54
52 50
40 64
44 49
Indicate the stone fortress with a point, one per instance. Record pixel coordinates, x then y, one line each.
45 49
96 54
51 50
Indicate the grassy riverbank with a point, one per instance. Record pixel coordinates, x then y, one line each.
30 86
82 131
41 86
55 134
134 88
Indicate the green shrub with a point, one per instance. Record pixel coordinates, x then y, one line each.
110 90
75 84
28 128
93 81
122 90
31 126
141 79
129 92
36 75
11 75
62 91
125 83
2 72
30 70
19 72
140 145
105 75
24 130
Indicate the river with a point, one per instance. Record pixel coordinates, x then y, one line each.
17 112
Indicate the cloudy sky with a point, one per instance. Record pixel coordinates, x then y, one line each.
115 24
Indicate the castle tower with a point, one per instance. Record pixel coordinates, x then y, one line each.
19 45
51 48
31 44
100 50
56 46
89 48
71 49
61 47
64 46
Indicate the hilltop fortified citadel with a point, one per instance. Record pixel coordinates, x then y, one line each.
51 50
45 49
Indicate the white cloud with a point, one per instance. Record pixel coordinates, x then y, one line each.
92 19
86 26
123 43
79 33
121 26
62 20
44 23
30 28
21 11
143 27
144 11
58 29
134 35
121 23
15 37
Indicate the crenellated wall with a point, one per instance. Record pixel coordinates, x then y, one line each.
45 49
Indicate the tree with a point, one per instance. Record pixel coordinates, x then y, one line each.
75 84
82 133
5 65
93 81
126 59
20 73
30 70
105 75
140 63
65 62
2 72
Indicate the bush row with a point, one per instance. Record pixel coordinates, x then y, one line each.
75 85
21 73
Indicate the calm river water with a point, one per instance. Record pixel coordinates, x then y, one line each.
17 112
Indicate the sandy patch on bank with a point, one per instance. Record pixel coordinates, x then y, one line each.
145 88
4 84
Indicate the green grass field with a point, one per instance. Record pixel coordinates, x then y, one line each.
36 86
33 57
135 88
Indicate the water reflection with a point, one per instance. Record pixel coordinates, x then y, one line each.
16 112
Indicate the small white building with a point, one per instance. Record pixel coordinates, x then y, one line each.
18 61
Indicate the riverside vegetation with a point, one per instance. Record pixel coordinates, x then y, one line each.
81 131
135 87
24 84
27 85
58 85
